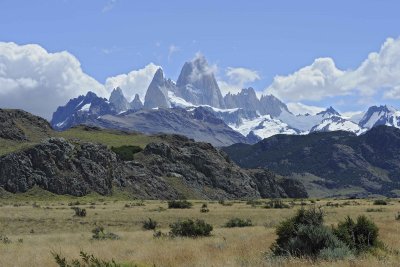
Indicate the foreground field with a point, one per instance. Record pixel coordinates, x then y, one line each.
38 227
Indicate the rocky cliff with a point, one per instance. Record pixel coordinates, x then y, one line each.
173 167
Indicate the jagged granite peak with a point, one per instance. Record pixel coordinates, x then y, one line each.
197 84
81 109
157 93
329 112
136 103
246 99
380 115
118 99
271 105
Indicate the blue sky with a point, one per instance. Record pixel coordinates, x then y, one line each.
270 37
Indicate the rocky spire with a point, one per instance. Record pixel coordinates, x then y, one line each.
118 99
136 103
157 93
197 84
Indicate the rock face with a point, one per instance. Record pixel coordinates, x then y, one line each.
119 101
136 103
334 163
11 122
197 85
171 168
157 93
80 110
59 167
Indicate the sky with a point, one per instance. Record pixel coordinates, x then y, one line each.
310 54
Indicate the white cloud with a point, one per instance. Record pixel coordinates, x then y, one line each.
38 81
378 75
238 78
171 50
109 6
135 82
313 82
242 75
300 108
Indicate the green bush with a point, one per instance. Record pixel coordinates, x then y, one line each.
380 202
179 204
305 235
254 203
223 203
397 217
360 235
191 228
237 222
79 212
149 224
100 234
204 208
86 260
126 153
276 204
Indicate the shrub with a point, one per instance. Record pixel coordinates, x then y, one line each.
179 204
276 204
223 203
380 202
5 239
79 212
191 228
360 235
397 217
237 222
254 203
204 208
126 153
374 210
304 235
100 234
149 224
86 260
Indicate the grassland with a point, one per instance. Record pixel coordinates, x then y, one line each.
45 224
107 137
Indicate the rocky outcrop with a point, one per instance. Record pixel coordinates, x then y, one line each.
119 101
12 122
170 168
60 167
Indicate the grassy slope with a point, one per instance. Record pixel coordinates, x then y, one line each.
56 229
107 137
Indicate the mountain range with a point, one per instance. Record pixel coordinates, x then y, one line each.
330 164
195 107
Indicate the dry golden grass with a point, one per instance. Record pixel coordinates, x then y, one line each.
56 229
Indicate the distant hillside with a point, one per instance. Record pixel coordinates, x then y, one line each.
80 161
330 163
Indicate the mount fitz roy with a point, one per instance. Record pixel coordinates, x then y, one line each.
194 106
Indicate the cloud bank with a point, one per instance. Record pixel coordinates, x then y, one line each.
378 76
38 81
